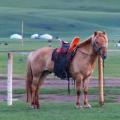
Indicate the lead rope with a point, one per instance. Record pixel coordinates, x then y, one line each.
68 79
103 75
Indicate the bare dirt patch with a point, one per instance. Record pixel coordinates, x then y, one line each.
55 83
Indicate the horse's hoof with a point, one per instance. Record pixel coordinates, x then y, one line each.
38 107
87 106
32 106
35 107
78 106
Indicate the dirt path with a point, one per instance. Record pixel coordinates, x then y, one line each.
56 83
20 83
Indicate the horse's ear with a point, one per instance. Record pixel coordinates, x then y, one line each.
95 33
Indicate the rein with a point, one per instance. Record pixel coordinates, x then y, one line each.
103 71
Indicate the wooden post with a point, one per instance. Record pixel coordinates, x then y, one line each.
9 81
100 79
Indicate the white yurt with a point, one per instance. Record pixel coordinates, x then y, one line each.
16 36
46 36
35 36
118 45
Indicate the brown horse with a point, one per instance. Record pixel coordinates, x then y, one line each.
82 66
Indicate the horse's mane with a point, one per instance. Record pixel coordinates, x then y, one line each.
85 42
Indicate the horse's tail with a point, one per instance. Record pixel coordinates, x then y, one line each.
29 81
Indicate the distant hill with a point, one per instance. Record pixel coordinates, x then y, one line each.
61 18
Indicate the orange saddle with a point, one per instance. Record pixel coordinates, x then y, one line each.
68 47
74 43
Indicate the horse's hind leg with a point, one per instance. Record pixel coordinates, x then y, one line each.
35 90
29 93
85 93
29 79
37 99
34 86
78 85
41 80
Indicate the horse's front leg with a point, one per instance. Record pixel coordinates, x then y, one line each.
37 100
85 94
78 85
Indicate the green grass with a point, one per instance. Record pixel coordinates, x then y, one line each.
58 111
19 59
111 65
111 93
28 44
111 69
60 18
63 91
63 19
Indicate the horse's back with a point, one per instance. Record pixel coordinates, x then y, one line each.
41 58
40 53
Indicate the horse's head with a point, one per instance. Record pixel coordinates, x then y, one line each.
100 43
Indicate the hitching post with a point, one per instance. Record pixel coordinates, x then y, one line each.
9 80
100 79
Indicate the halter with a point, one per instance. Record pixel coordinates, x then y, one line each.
95 47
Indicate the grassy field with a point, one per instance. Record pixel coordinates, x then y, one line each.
112 66
62 110
62 18
59 111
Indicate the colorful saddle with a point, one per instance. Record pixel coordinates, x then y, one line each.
63 56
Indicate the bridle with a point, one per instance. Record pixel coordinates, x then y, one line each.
95 46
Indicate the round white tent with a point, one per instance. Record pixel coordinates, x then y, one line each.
118 45
35 36
46 36
16 36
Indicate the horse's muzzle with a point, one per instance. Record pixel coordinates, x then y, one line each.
104 56
103 53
